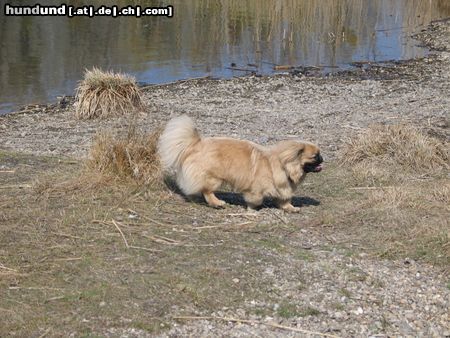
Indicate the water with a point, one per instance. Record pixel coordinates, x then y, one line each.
44 57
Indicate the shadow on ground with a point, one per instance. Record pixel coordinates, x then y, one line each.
237 199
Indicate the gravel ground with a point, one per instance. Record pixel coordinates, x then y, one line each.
350 296
354 298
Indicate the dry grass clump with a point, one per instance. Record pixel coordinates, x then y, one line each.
405 220
133 155
412 220
393 150
103 94
402 171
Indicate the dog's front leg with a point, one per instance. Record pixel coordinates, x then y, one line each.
212 200
287 206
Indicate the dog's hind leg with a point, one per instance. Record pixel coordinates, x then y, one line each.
253 200
212 199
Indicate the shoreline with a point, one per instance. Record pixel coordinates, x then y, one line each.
265 109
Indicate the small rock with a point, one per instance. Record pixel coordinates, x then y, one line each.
359 311
339 315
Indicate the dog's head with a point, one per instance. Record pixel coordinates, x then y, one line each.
298 158
312 160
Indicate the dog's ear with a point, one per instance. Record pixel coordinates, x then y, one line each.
291 152
290 160
294 171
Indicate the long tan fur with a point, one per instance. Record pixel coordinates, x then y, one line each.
202 165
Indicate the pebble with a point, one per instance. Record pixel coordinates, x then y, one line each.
359 311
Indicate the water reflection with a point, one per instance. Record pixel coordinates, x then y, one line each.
42 57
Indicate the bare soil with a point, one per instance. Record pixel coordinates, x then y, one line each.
87 255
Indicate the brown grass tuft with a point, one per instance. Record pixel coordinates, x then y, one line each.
412 220
133 155
390 150
103 94
406 210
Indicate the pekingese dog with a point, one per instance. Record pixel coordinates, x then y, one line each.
202 164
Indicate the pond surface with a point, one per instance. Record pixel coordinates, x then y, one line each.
44 57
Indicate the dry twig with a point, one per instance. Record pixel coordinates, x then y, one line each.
121 233
126 242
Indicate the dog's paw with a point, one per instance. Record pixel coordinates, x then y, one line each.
295 209
219 204
290 208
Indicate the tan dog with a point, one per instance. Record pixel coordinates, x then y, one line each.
202 165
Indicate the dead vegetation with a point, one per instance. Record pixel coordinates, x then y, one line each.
384 152
129 156
104 94
403 173
126 256
111 252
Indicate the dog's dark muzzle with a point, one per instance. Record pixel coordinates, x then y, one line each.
315 166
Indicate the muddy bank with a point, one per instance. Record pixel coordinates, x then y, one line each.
265 109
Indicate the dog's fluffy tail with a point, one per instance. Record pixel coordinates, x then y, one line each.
179 134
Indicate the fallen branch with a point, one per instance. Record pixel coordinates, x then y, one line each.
256 322
142 248
121 233
283 67
221 226
6 268
162 240
69 259
131 246
55 298
32 288
19 186
200 245
371 188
